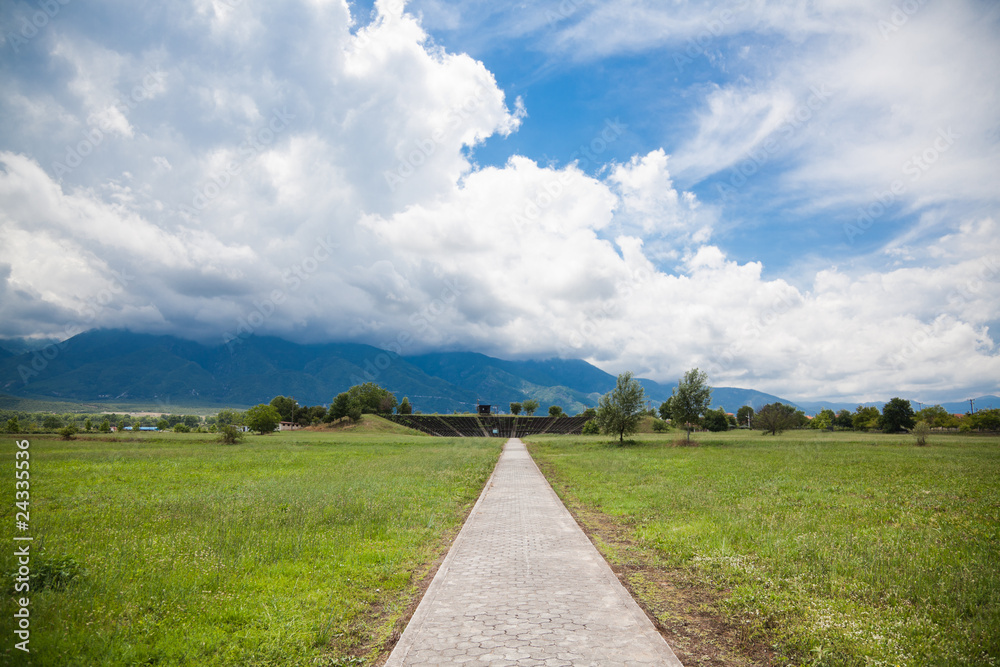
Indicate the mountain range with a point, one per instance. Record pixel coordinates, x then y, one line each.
109 365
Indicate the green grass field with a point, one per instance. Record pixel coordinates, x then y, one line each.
298 548
828 549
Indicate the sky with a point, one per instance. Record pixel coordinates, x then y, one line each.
797 197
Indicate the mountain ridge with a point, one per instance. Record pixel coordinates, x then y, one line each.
118 365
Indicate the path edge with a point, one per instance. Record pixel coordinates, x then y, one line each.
399 652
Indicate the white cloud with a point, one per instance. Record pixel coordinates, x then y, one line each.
328 194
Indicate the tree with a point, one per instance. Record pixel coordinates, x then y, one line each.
367 398
229 417
404 407
52 422
183 428
105 427
744 416
665 410
823 419
339 407
68 432
530 406
121 425
515 408
844 419
775 418
985 420
620 410
589 413
937 417
262 418
897 416
716 420
230 435
285 405
13 426
921 430
555 411
591 428
866 419
690 399
87 425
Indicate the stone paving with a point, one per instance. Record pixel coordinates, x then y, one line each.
522 585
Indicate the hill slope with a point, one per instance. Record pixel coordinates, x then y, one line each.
120 366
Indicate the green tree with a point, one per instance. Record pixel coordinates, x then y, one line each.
68 432
229 417
87 425
897 416
230 435
620 410
775 418
530 406
162 425
937 417
285 405
13 426
744 416
665 410
182 428
105 426
985 420
555 411
589 413
866 418
844 419
120 426
339 407
263 418
716 420
368 398
921 430
52 422
515 408
690 399
591 428
823 419
404 407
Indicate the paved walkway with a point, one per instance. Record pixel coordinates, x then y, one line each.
522 585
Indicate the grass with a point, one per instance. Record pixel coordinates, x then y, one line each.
826 549
299 548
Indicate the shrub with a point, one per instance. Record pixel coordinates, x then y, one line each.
68 432
182 428
591 428
660 425
921 431
230 435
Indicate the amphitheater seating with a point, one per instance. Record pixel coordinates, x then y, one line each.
489 426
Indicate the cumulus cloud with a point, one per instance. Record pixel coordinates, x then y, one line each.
287 171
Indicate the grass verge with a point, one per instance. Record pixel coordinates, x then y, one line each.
806 549
298 548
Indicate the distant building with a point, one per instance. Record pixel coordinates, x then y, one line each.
289 426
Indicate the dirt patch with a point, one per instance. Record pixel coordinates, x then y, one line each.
682 608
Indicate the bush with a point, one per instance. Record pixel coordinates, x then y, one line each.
68 432
660 425
230 435
921 431
182 428
716 420
591 428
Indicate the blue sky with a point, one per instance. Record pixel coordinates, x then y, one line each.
798 197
